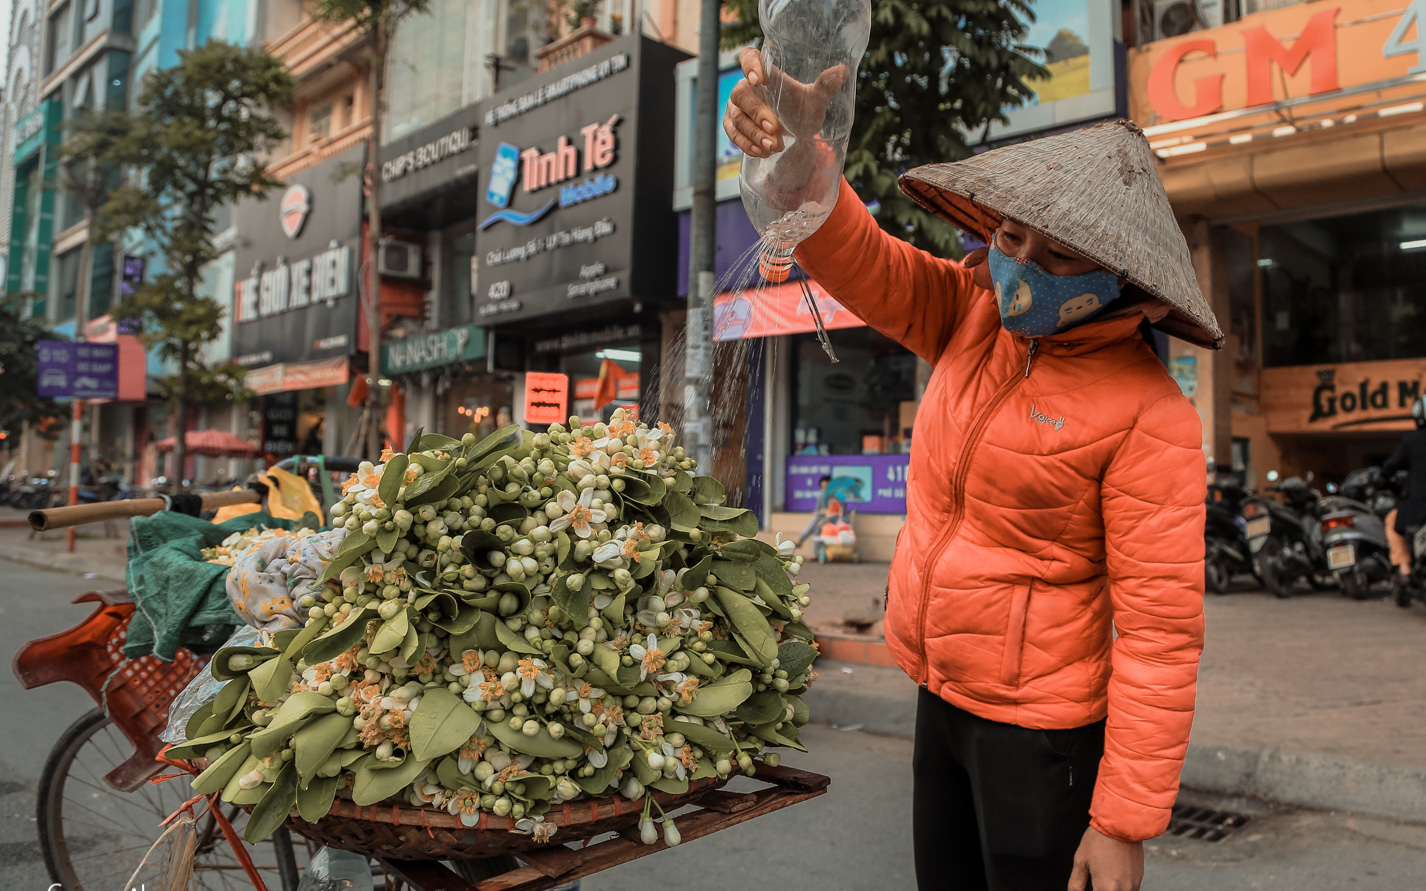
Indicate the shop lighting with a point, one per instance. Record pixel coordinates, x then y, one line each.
1284 131
620 355
1414 245
1265 262
1189 149
1240 139
383 383
1408 108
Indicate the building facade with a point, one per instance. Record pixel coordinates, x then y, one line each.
1292 144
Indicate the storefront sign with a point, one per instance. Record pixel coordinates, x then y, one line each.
39 127
293 376
1291 53
298 252
776 309
574 184
576 341
546 398
872 484
432 171
460 344
1346 397
78 370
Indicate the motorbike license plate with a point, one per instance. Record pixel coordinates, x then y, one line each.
1418 544
1257 532
1341 557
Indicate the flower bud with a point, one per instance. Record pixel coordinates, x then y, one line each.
632 789
648 833
670 833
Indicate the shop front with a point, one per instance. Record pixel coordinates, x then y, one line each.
576 243
295 308
1292 144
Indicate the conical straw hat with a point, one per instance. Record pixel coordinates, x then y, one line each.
1095 191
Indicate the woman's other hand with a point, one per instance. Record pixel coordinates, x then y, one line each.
749 119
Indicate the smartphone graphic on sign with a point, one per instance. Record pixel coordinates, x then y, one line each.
503 173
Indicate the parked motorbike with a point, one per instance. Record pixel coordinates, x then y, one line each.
35 493
1286 539
1226 551
1354 532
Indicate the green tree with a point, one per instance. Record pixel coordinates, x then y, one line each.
1065 45
376 21
187 149
20 334
936 74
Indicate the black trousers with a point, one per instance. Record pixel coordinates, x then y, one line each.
998 807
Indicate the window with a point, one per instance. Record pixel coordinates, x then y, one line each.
319 124
434 60
457 250
67 285
59 39
1344 289
348 111
101 279
93 10
853 407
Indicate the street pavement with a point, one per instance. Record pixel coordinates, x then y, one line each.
1315 701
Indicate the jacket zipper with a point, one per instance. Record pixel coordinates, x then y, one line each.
977 430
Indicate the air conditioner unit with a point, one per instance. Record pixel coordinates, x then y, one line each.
1175 18
400 259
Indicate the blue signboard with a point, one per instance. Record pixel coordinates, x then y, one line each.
869 484
78 370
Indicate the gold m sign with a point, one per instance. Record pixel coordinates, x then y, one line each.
1346 397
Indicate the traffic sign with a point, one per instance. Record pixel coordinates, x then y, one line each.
78 370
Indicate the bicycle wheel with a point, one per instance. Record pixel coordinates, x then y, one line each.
93 836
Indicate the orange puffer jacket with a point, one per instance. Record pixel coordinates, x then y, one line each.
1055 497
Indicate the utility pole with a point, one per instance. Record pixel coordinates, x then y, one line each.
698 376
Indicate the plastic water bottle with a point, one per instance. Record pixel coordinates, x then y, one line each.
810 53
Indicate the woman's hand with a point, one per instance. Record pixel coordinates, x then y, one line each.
1107 864
749 119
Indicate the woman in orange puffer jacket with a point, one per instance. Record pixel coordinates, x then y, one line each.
1046 591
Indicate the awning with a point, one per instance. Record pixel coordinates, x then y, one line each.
213 444
288 376
775 309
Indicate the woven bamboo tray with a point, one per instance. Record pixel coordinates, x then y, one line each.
399 832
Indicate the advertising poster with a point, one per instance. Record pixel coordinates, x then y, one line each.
872 484
1078 38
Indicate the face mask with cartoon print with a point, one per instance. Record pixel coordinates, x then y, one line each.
1036 303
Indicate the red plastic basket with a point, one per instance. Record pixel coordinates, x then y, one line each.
136 693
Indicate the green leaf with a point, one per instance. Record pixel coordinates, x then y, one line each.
795 657
448 772
412 646
576 605
386 540
750 624
673 786
341 638
441 724
392 477
270 813
735 575
801 714
748 550
605 659
354 547
195 728
222 671
314 801
729 651
374 784
509 512
233 697
431 488
416 440
770 570
217 775
683 514
231 790
477 544
703 736
199 745
745 524
714 512
541 745
291 715
708 491
436 442
785 737
599 782
315 742
270 679
293 650
697 574
722 696
505 437
761 708
391 634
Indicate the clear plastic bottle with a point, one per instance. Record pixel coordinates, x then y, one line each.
811 49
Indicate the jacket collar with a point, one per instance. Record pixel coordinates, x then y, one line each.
1092 336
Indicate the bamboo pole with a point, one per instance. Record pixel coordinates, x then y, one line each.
63 517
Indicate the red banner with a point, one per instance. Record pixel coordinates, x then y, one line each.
546 398
775 309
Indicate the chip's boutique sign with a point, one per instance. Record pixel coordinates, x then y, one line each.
1346 397
574 181
297 257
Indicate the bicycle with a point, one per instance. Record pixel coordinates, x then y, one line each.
97 812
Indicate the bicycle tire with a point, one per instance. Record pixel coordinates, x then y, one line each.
62 839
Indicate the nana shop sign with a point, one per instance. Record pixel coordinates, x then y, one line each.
1289 54
1342 398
